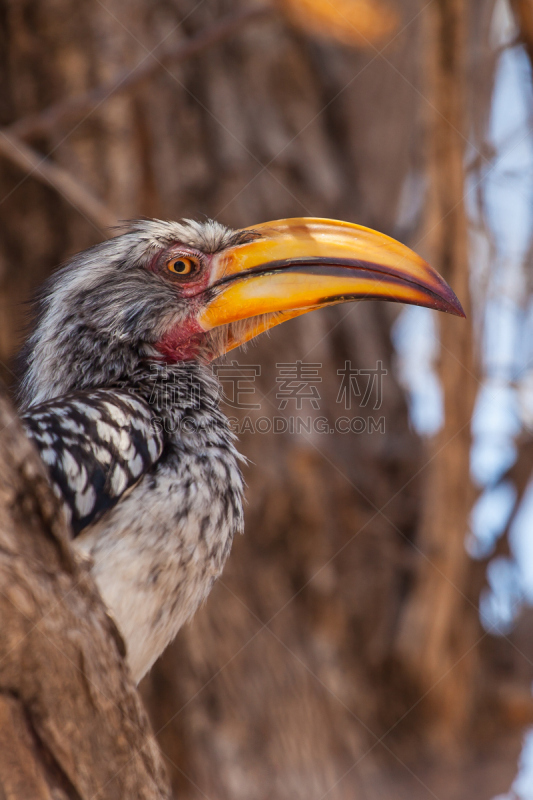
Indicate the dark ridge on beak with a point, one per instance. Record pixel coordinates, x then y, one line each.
443 300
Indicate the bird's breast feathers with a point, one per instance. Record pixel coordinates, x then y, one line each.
157 553
155 512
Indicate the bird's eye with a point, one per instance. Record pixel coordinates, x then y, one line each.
182 265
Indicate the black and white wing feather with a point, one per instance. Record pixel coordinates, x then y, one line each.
96 445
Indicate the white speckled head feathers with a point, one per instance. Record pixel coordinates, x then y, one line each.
100 311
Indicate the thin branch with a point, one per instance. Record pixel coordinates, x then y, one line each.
58 178
29 160
46 120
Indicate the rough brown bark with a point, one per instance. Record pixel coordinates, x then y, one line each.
71 722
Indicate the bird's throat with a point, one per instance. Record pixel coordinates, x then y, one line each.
183 342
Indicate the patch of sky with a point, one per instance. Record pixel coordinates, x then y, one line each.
415 340
522 788
505 402
507 183
495 424
489 517
501 600
521 541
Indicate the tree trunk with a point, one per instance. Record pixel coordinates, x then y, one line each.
66 697
431 643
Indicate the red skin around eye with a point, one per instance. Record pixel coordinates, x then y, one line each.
184 341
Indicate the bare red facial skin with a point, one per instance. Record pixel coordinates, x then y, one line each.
185 341
182 343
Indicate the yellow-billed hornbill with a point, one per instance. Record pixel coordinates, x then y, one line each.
119 399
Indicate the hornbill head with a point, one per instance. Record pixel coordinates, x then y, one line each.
175 292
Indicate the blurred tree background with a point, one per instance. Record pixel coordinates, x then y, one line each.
370 636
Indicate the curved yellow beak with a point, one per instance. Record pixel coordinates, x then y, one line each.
292 266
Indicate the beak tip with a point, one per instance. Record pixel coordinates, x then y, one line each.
453 306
